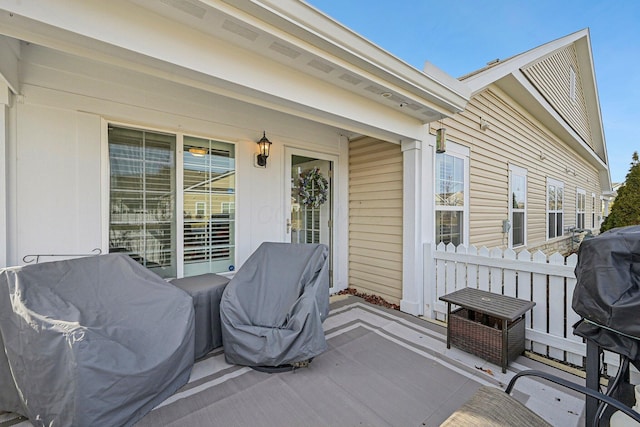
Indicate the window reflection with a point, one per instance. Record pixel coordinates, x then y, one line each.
449 227
142 197
209 206
450 193
449 180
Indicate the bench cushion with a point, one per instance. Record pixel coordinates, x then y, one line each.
491 406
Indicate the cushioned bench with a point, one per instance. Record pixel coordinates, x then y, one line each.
206 291
491 406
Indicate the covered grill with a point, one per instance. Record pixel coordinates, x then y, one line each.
607 298
607 294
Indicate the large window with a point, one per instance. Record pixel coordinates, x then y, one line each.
209 206
517 206
142 197
555 198
145 172
451 194
581 202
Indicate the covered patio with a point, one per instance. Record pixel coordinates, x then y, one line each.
383 368
219 75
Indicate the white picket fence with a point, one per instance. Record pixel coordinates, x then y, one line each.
548 281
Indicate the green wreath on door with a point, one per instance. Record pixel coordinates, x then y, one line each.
313 188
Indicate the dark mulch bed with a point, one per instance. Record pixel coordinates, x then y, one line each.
371 299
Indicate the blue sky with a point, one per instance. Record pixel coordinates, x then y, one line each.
463 35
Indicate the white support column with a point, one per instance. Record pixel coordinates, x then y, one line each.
428 224
412 282
5 97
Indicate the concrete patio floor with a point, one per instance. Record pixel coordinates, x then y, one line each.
382 368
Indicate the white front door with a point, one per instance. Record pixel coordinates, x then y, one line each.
310 207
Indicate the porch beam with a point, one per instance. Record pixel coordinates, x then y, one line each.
412 282
9 52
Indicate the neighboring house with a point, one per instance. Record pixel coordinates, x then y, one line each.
133 126
529 150
523 165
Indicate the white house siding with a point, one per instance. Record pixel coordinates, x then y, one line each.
375 218
515 137
551 76
57 159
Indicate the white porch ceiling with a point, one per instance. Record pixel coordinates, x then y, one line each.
311 43
302 42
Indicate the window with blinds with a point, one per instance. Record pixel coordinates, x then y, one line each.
312 224
581 202
555 209
518 206
450 197
142 197
143 222
209 206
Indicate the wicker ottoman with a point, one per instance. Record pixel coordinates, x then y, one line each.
487 325
482 335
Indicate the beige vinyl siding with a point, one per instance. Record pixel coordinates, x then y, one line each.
515 137
551 76
375 218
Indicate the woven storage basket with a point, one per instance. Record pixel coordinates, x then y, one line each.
485 340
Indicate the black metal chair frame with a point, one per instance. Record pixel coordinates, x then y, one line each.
601 397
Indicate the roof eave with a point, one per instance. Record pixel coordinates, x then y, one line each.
308 24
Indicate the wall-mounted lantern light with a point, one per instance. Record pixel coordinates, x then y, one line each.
441 140
264 145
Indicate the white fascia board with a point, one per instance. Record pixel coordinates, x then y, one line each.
318 29
590 87
246 77
478 82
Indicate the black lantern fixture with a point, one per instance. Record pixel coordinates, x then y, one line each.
264 146
441 140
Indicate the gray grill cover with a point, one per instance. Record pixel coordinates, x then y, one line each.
94 341
273 308
607 292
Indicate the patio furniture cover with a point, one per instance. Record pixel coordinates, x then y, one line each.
273 308
607 292
95 341
206 291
